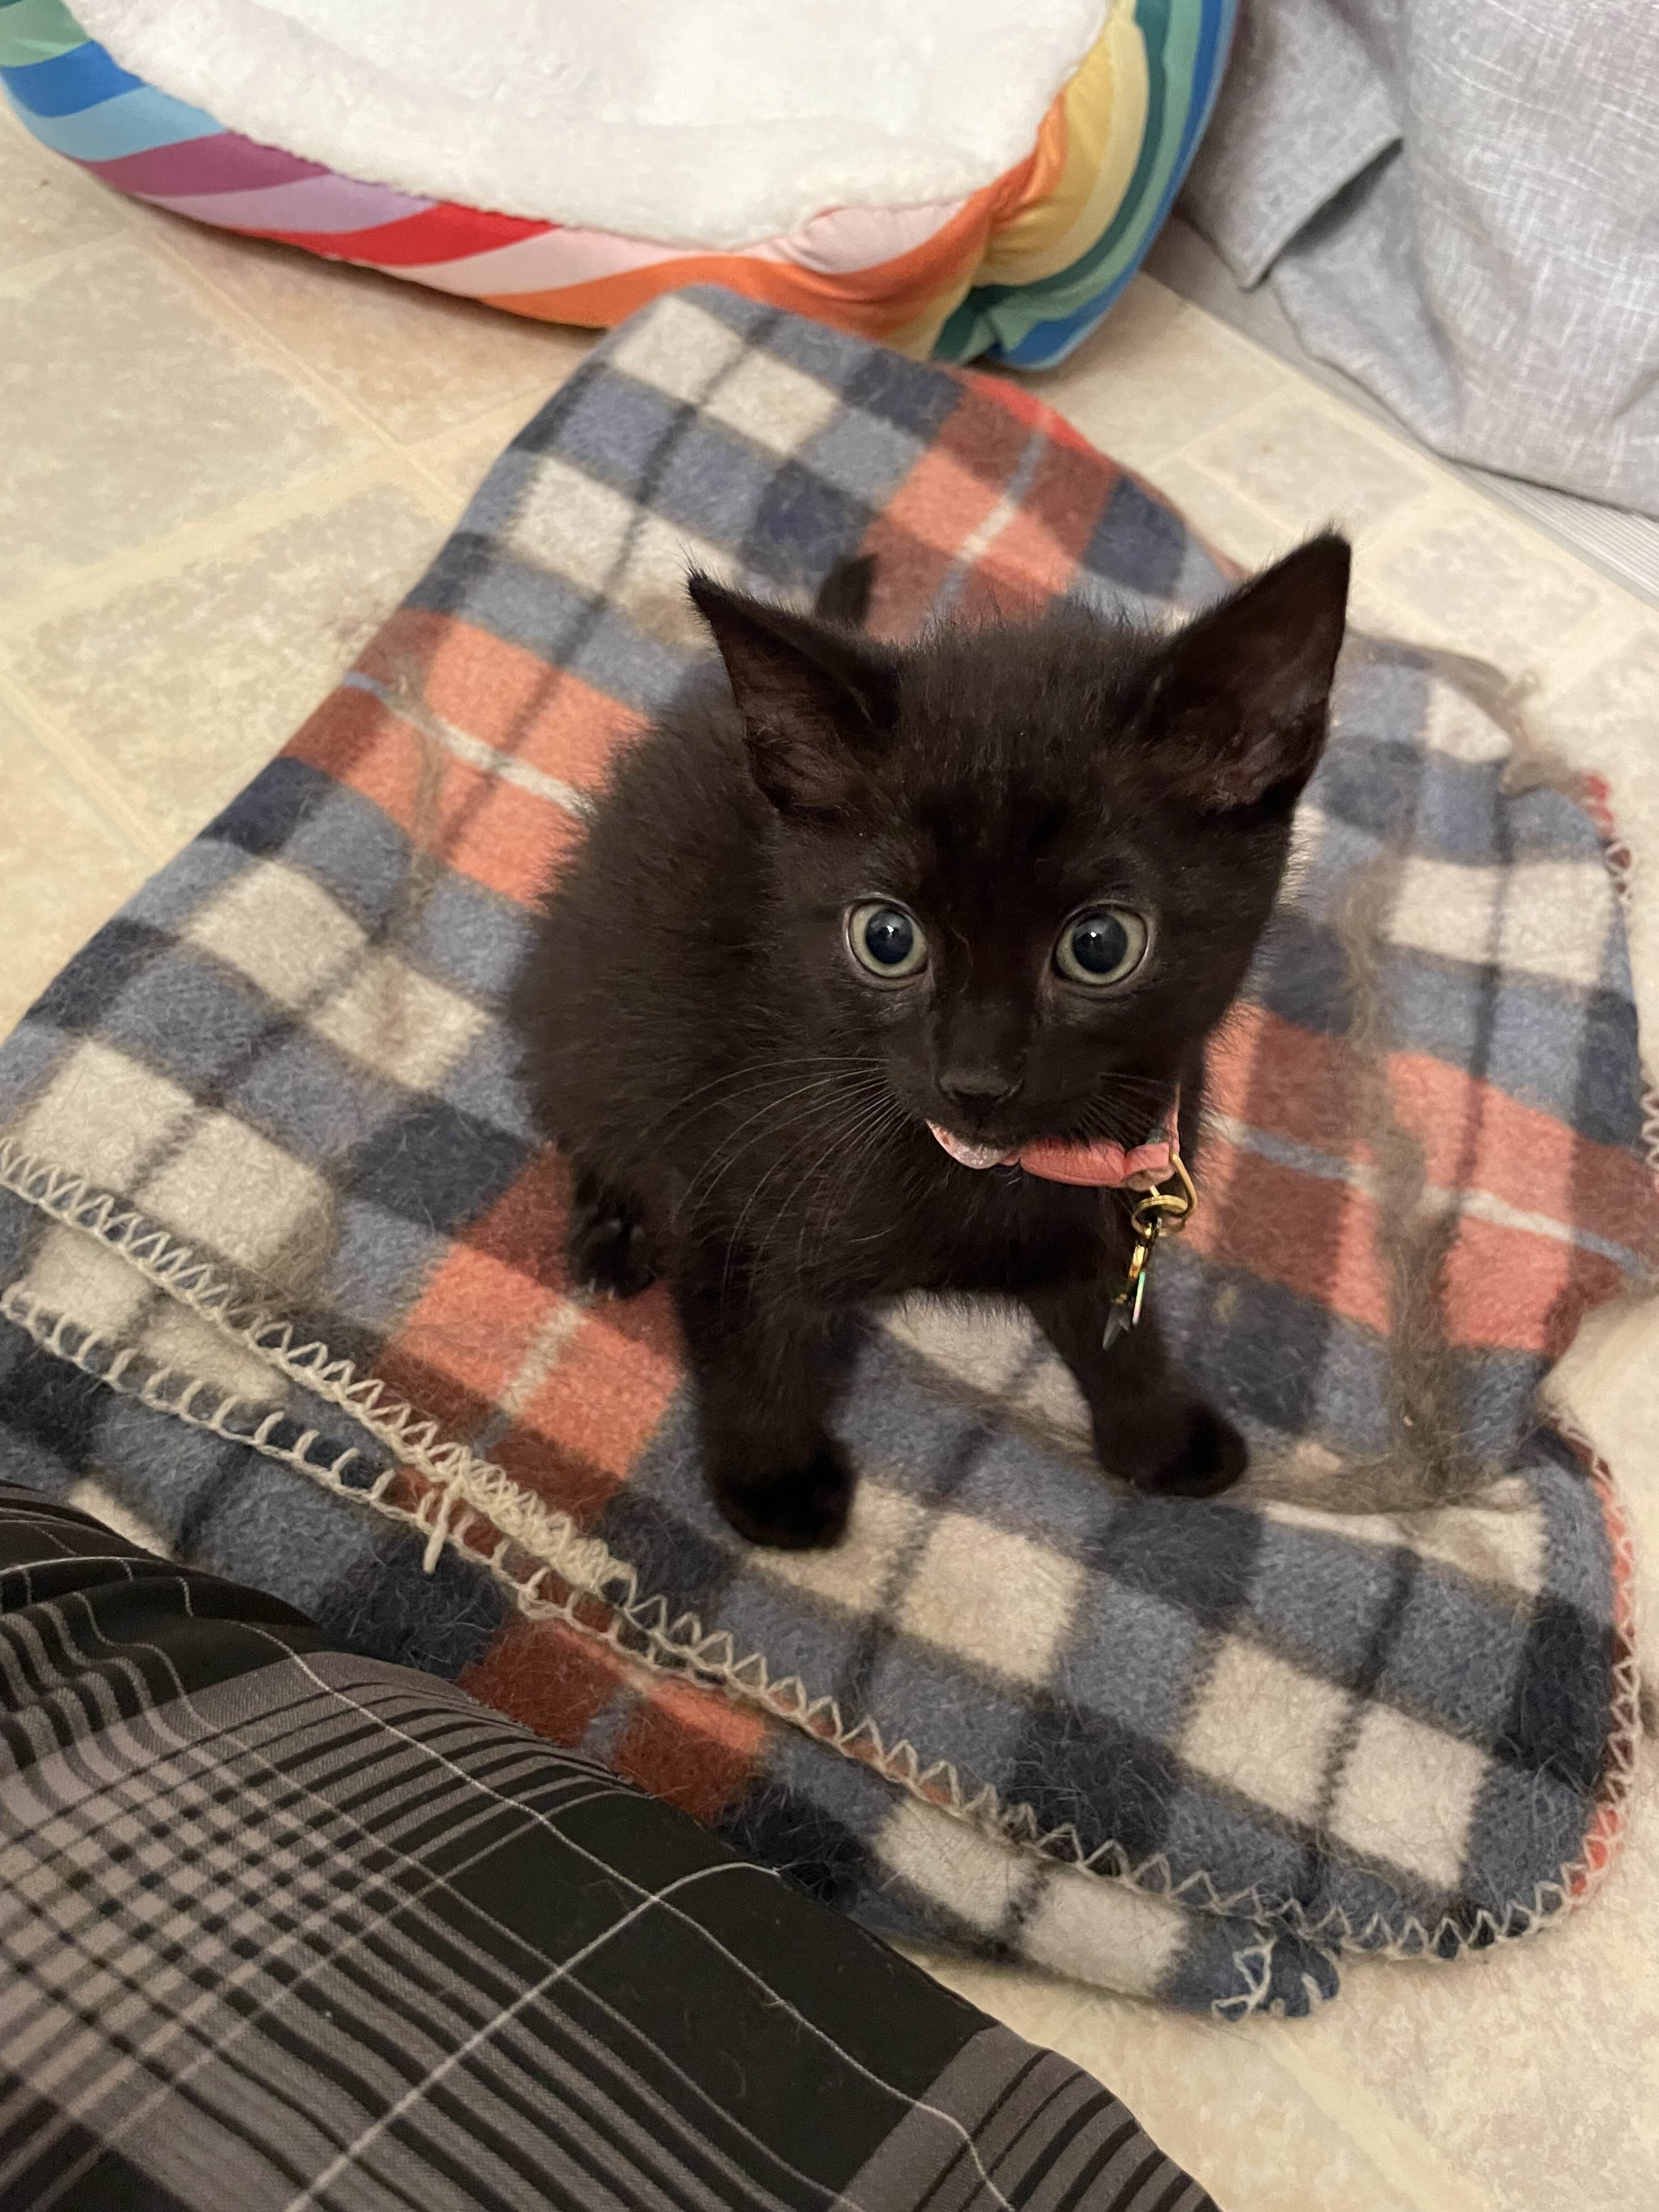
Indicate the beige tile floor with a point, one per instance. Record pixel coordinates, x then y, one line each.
224 464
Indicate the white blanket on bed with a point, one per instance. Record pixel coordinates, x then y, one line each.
697 122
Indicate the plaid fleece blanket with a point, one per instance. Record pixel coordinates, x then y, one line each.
284 1283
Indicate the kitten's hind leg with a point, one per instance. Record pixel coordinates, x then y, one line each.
606 1244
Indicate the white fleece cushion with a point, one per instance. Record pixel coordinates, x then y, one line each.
714 123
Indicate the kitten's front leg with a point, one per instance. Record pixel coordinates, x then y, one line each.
1150 1425
766 1382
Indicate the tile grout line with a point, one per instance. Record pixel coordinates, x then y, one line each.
1446 478
1402 2155
1289 527
1603 628
344 410
137 219
1367 534
16 277
503 420
1592 642
107 793
409 464
170 553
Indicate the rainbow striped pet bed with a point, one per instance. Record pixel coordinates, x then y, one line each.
1018 269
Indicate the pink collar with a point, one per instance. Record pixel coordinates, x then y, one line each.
1101 1166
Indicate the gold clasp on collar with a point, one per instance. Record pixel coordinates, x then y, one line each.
1164 1211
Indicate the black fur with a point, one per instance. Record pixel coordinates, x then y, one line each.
747 1109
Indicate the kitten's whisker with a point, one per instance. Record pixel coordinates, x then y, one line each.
1112 1129
796 1146
812 1126
734 1238
877 1129
724 1156
855 1144
756 1073
1123 1122
1132 1085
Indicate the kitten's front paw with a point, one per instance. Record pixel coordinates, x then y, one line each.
1208 1455
803 1510
606 1246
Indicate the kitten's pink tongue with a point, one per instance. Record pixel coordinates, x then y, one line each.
1106 1166
1102 1166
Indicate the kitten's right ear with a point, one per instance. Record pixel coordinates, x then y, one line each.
811 698
1244 691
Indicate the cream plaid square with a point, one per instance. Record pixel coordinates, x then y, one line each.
191 1346
403 1024
102 1115
228 1189
1379 1529
601 541
72 1274
976 1879
1264 1729
281 930
1049 1395
1454 726
89 1496
650 588
1542 917
1500 1539
1094 1930
983 1345
1407 1794
679 349
856 1573
568 521
775 405
987 1595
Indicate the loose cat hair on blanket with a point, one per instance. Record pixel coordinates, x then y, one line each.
857 919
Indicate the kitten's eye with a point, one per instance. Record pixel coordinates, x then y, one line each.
886 941
1101 947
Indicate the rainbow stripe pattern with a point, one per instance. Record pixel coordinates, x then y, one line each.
1019 271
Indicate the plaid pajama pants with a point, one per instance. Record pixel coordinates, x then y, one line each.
283 1926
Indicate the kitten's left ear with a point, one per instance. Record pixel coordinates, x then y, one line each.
1244 691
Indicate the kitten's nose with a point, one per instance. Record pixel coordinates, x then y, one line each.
976 1088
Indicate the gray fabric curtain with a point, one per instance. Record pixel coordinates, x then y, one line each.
1456 202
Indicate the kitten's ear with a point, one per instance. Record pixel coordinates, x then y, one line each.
1244 689
813 698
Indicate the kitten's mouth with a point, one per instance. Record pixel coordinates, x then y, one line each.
1099 1164
970 1155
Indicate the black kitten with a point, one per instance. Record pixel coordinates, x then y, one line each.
1005 882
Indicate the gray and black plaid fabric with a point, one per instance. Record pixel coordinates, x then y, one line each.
281 1927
